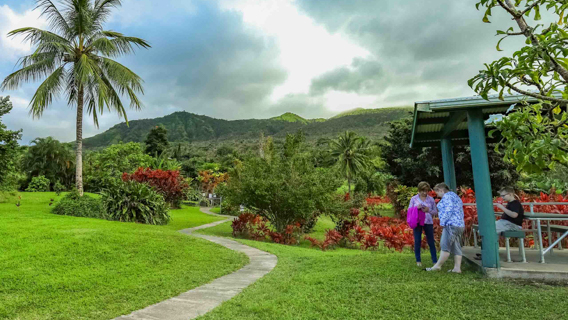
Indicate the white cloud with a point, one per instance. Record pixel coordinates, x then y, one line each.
11 47
339 101
306 49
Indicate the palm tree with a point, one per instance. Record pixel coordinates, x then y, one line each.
75 57
351 152
50 158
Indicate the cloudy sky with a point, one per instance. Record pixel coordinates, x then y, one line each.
236 59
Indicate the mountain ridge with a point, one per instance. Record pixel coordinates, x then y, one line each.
184 126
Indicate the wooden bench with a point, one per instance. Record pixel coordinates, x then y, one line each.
519 234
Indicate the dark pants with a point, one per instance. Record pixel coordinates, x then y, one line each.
429 231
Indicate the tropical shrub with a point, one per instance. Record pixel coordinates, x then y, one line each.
50 158
284 188
58 188
131 201
400 196
86 206
38 184
252 226
170 184
102 167
210 179
229 209
368 233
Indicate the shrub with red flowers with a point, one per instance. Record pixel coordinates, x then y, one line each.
169 183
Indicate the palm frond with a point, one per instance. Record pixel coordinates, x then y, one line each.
37 57
47 90
102 8
37 36
80 18
54 16
121 76
117 46
32 72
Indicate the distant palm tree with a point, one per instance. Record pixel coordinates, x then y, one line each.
75 57
50 158
351 152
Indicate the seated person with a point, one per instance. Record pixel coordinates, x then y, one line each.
513 213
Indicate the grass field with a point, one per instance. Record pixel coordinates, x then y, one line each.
59 267
350 284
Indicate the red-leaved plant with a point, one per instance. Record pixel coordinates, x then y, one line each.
251 226
169 183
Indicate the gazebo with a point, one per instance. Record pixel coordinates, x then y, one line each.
461 121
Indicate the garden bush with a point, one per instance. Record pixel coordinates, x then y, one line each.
255 227
284 188
400 196
132 201
86 206
102 167
169 183
38 184
58 188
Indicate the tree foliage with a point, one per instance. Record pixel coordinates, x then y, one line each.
283 186
412 165
535 136
351 153
50 158
185 126
75 57
157 141
8 148
110 163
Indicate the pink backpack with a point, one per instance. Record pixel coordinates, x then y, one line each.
415 217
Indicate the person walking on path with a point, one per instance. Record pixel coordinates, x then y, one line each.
426 203
450 211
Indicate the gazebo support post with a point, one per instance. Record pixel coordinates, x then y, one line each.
482 183
448 163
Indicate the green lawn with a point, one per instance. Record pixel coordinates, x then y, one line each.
59 267
188 217
350 284
216 210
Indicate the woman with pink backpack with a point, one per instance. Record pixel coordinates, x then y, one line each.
420 211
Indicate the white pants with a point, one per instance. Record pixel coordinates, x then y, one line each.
506 225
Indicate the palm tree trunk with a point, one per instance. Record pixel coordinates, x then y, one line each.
79 160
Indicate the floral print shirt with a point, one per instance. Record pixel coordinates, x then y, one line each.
450 210
429 202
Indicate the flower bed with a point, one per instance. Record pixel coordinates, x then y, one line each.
367 232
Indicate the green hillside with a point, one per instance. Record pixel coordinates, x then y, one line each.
290 117
189 127
360 111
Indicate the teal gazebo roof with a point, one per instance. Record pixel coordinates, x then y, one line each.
437 119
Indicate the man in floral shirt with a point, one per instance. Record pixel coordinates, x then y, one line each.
450 211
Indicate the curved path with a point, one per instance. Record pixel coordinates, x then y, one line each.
198 301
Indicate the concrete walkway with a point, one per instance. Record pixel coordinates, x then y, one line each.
198 301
